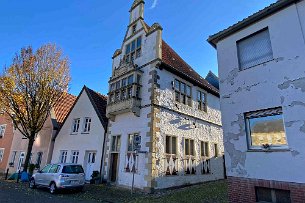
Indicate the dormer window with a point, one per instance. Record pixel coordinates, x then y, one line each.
133 50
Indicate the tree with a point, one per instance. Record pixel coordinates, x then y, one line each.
30 87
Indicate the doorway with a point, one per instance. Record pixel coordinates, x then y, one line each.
91 159
114 167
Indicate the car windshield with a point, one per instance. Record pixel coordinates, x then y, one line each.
73 169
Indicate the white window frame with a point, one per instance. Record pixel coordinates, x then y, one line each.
13 158
1 154
63 154
75 122
87 124
259 60
74 156
2 130
264 113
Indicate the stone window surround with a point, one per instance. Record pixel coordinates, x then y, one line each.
206 145
136 82
274 148
137 52
134 133
171 140
191 153
192 87
188 98
117 145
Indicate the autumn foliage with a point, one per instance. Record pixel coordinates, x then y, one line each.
30 87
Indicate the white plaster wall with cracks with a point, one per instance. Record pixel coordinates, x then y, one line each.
276 83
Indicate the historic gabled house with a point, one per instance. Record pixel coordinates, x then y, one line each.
81 138
159 107
44 141
262 81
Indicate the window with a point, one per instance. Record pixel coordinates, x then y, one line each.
75 125
204 148
265 129
134 28
39 158
255 49
116 143
216 150
46 168
74 157
183 93
13 157
2 130
73 169
189 147
63 156
171 145
134 142
1 154
130 80
124 82
87 125
272 195
133 50
54 169
201 99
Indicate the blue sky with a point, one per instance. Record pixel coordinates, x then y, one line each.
90 31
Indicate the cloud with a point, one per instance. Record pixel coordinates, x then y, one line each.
154 4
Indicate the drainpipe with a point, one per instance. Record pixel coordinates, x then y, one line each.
102 159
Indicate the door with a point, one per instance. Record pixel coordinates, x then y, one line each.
20 161
90 164
41 176
114 167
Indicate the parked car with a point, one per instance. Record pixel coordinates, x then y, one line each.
59 176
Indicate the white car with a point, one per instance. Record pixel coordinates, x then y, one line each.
59 176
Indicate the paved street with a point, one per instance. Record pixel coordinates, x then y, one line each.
213 192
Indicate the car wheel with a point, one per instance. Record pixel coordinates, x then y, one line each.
52 188
32 184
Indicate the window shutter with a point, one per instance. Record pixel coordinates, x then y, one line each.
255 49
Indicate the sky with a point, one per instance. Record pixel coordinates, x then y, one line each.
89 31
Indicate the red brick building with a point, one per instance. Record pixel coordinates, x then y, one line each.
6 138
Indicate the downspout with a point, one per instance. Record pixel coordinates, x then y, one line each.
103 152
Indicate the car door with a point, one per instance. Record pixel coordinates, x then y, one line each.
52 174
42 175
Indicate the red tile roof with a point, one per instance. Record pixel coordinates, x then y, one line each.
175 62
99 103
63 106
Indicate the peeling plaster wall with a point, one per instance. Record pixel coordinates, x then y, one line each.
280 82
208 128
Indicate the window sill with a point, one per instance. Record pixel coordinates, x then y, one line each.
73 133
269 150
85 133
263 63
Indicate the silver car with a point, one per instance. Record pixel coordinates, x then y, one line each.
59 176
